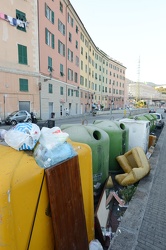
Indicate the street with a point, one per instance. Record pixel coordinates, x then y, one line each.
87 119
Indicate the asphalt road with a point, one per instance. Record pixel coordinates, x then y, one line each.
86 119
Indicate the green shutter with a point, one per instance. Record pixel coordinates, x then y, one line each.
23 85
22 54
52 17
53 45
46 35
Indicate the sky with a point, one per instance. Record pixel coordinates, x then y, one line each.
132 32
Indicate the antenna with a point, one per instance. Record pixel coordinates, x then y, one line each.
138 82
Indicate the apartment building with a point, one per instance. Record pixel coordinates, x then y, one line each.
19 61
49 62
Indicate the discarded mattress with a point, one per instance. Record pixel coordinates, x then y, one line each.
135 165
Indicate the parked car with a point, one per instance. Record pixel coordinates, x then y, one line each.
152 111
160 120
164 110
0 121
18 116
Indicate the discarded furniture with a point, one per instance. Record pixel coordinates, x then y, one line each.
135 165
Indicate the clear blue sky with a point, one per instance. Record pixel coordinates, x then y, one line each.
127 30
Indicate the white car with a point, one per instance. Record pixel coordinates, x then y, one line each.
160 120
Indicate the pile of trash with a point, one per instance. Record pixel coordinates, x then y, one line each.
49 145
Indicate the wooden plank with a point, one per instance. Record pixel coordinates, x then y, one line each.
66 203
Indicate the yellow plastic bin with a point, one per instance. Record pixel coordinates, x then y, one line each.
25 218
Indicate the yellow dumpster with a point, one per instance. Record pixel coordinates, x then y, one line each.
25 216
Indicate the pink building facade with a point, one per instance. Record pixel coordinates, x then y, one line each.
19 60
53 64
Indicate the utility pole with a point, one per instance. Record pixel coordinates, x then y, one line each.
138 82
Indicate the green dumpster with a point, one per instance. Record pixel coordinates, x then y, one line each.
155 118
119 141
152 120
98 140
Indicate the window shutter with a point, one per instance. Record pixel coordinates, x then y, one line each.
46 35
53 45
52 17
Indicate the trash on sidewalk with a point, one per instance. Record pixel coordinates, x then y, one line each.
95 245
150 152
135 166
119 200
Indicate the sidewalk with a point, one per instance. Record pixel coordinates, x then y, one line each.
143 226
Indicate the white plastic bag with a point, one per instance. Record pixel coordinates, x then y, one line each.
95 245
23 136
49 157
51 137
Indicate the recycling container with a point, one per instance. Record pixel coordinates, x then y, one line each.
139 131
26 221
152 120
98 140
144 118
118 141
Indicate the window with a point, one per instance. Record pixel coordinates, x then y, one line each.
77 61
70 74
61 7
81 80
61 90
70 20
61 70
70 37
50 69
22 54
61 48
23 85
86 82
77 93
81 50
82 37
76 29
50 90
49 38
76 44
70 55
22 17
61 27
49 13
82 65
76 77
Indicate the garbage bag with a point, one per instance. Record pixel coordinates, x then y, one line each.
51 137
23 136
95 245
48 157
